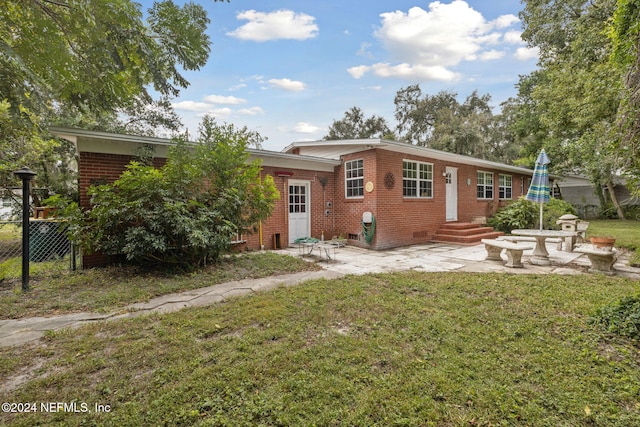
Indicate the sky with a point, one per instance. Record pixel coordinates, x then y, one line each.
289 68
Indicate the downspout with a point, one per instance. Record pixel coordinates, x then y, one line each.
260 222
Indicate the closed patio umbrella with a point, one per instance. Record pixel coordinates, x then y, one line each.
539 189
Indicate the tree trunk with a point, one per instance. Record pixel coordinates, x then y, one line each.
614 200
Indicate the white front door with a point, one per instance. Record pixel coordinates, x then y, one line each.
451 193
299 215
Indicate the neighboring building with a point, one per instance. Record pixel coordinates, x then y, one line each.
327 187
8 204
583 195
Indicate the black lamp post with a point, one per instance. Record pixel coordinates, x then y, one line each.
25 174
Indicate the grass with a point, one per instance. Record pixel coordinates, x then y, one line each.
403 349
55 290
626 233
10 231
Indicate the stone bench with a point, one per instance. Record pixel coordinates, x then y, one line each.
601 260
514 251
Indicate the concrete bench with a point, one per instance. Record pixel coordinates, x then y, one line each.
601 260
514 251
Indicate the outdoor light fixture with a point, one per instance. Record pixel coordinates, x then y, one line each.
25 174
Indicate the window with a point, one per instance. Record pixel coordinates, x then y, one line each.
354 178
505 186
297 199
417 179
485 185
238 238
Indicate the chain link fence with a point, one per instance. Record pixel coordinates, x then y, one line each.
48 243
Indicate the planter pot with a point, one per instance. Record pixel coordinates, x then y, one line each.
603 242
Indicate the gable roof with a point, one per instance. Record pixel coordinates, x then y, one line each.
335 149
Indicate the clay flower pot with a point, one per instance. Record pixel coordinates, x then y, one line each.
603 242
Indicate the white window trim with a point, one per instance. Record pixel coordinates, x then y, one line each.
353 179
505 186
493 183
417 179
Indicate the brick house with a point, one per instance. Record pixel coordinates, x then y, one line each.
414 194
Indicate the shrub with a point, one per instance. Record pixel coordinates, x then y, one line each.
186 212
522 213
554 210
621 318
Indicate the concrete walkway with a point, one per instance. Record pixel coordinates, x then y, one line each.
436 257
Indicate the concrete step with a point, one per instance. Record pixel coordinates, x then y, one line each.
466 240
465 233
458 225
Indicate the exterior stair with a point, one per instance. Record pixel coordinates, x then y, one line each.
465 233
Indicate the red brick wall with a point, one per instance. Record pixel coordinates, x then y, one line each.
99 168
403 221
278 223
399 221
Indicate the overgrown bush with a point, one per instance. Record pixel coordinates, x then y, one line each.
553 210
518 214
621 318
186 212
522 214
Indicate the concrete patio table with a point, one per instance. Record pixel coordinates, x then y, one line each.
540 254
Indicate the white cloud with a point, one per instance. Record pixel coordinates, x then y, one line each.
491 55
303 127
228 100
253 111
526 53
287 84
237 87
505 21
191 106
513 37
281 24
427 44
218 113
364 50
419 71
359 71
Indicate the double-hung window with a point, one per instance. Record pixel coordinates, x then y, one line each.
505 187
485 185
354 178
417 179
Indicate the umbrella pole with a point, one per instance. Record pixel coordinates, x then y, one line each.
540 216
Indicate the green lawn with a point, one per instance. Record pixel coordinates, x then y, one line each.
403 349
55 290
627 234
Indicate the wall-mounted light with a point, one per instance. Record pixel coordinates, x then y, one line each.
444 173
468 181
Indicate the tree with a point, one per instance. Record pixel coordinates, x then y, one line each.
465 128
186 212
355 126
417 114
93 62
625 36
576 93
98 55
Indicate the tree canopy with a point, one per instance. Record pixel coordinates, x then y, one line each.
97 55
355 126
92 64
